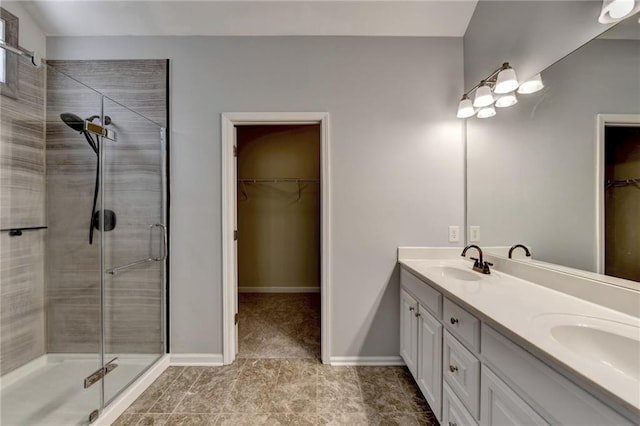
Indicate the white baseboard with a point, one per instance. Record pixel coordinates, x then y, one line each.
126 398
278 289
208 360
367 360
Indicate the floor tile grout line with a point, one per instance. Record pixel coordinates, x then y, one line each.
185 394
161 394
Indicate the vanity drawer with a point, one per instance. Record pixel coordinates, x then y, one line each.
462 324
453 411
428 297
461 370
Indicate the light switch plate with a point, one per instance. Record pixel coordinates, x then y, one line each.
454 234
474 234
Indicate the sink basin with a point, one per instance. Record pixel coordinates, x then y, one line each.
455 273
611 344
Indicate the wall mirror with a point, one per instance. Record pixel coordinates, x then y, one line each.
560 171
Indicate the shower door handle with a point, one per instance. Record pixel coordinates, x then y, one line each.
163 254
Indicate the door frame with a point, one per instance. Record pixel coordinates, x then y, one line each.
229 120
602 121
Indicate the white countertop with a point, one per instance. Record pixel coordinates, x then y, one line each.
528 310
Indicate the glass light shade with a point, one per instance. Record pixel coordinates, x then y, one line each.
484 97
465 108
487 112
506 82
531 86
616 10
506 100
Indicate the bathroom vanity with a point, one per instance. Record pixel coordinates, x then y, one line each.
496 349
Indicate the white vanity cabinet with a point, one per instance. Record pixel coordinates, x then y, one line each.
472 374
421 338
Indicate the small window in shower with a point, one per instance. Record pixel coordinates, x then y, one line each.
8 61
3 55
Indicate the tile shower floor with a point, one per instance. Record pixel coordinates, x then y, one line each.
277 379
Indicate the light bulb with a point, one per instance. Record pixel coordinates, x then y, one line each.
531 86
506 100
465 108
506 81
487 112
484 97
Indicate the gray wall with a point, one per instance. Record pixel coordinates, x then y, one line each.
397 161
531 35
536 161
22 203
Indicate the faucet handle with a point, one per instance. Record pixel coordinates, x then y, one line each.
477 261
485 267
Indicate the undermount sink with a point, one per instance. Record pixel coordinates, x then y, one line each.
611 344
455 273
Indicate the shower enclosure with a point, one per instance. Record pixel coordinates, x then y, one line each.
83 248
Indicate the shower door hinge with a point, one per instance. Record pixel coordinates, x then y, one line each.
235 318
97 375
93 416
99 130
235 235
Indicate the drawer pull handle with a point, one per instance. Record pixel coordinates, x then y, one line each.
454 321
411 309
453 368
452 424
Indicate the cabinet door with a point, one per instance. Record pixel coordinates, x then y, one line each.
501 405
409 331
430 360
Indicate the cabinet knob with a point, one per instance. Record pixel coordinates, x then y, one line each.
454 321
417 314
453 368
452 424
411 308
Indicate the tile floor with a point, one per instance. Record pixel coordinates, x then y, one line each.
279 325
277 379
292 391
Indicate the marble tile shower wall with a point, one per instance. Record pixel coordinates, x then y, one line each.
22 203
133 189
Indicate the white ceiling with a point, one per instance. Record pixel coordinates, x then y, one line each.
444 18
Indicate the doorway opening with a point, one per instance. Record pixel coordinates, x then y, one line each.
622 202
278 242
275 232
619 196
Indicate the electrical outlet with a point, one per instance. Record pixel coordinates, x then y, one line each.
474 234
454 234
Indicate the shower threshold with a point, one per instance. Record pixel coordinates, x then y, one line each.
50 390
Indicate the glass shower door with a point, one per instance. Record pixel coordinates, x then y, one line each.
131 221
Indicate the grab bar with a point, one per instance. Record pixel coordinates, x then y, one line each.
161 258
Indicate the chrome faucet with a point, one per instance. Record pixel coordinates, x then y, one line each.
479 265
526 250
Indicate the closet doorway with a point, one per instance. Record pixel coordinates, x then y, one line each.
278 244
275 263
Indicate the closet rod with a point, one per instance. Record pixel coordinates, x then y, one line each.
623 182
277 180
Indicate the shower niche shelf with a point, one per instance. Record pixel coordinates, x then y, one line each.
16 232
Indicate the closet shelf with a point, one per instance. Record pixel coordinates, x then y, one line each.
278 180
610 183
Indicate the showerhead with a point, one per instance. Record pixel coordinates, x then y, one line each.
73 121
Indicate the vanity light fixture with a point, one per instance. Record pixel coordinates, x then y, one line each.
506 100
497 89
617 10
532 85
